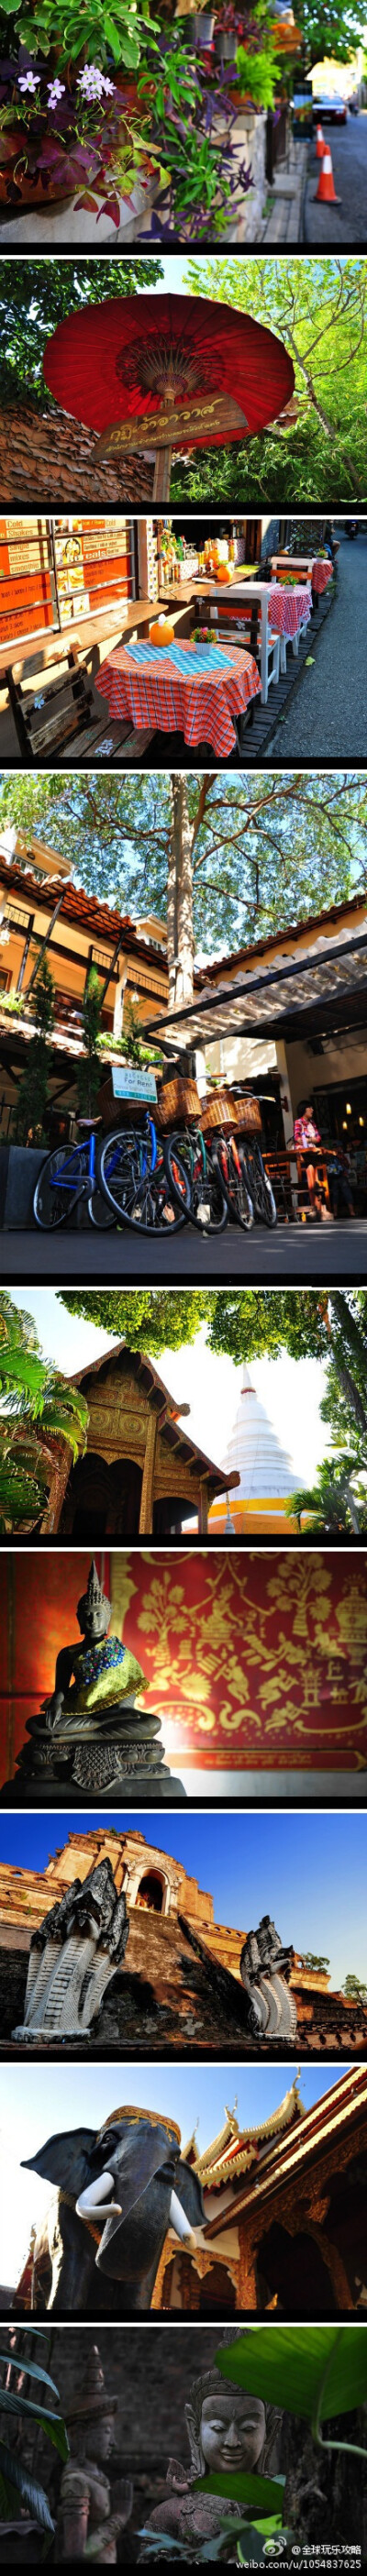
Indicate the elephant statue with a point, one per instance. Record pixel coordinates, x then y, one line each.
117 2192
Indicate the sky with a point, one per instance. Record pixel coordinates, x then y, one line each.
36 2100
291 1390
307 1870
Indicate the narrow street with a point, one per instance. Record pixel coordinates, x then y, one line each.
334 227
326 716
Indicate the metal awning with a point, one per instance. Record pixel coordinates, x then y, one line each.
319 989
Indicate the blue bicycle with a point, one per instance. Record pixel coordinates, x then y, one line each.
132 1173
122 1179
70 1175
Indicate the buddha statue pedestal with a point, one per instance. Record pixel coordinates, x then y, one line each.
90 1737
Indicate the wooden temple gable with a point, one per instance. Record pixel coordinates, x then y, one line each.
134 1420
270 2213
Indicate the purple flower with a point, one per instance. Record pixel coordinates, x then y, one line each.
93 83
56 90
28 80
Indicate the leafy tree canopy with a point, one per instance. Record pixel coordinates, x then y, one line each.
154 1320
266 852
32 302
330 31
247 1324
318 307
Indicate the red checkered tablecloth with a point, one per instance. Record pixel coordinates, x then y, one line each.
289 609
321 573
202 709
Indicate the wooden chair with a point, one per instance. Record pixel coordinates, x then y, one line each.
59 721
247 626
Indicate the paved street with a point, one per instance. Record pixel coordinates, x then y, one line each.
333 227
288 1255
326 718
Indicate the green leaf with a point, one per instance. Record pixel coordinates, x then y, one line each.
32 2370
260 2494
312 2370
31 2493
51 2424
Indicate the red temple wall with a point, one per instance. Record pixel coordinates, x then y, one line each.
253 1660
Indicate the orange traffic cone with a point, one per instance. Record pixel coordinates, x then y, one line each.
325 188
321 146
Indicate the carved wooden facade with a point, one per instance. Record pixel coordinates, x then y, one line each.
140 1473
290 2237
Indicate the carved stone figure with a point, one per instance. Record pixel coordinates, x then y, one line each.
118 2190
265 1967
227 2429
90 1735
73 1956
89 2520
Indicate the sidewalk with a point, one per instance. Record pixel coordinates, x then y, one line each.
282 220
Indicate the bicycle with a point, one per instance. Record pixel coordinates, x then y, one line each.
69 1176
207 1207
133 1175
226 1152
257 1182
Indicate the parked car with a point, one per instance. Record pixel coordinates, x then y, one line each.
333 109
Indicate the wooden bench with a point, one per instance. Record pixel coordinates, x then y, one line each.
60 722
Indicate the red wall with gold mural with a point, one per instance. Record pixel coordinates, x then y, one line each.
254 1660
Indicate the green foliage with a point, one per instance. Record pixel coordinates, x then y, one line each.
330 31
91 35
318 307
89 1068
27 319
15 2480
148 1319
37 1406
353 1986
266 851
328 1505
262 2495
258 73
27 1120
313 2371
309 1960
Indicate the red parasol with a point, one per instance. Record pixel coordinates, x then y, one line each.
188 372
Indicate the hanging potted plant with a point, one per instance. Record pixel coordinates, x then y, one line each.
204 24
230 28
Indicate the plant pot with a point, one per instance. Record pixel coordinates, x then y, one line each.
229 48
204 23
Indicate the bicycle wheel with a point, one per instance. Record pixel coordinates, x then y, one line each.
137 1188
59 1185
235 1188
209 1209
100 1214
177 1165
261 1190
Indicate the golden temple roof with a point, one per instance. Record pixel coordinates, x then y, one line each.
234 2149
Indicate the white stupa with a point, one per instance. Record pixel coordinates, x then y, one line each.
265 1470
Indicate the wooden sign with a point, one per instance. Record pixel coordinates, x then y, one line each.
170 427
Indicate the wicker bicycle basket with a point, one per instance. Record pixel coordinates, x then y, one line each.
248 1115
219 1110
177 1101
119 1113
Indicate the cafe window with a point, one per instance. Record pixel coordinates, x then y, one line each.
54 571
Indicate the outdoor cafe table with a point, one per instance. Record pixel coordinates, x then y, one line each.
150 684
318 573
283 612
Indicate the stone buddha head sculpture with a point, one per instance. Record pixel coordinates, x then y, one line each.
94 1610
91 2416
228 2428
